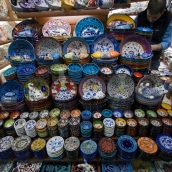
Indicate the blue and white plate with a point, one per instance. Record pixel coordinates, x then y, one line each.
88 147
109 122
104 43
89 27
30 124
117 113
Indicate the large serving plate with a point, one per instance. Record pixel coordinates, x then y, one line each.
26 28
63 89
104 43
48 46
56 27
36 89
135 46
89 27
120 21
120 86
76 45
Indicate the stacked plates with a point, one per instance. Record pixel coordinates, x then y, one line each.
120 124
65 114
143 126
88 149
74 125
98 128
96 115
19 126
90 69
43 72
10 74
5 148
107 148
44 114
55 112
146 153
25 72
151 114
63 126
167 126
117 113
41 127
86 115
52 126
126 147
21 148
128 114
9 127
71 146
75 72
38 148
139 113
155 127
30 128
34 116
24 115
55 148
107 113
109 127
131 127
86 129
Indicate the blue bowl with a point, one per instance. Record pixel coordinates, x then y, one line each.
90 69
86 115
124 69
107 113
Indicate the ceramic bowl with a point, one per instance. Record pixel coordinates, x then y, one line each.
90 69
124 69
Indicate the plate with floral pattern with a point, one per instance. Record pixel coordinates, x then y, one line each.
5 143
72 144
56 27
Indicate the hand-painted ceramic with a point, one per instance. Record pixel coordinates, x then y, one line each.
9 71
15 6
90 69
36 89
106 4
28 5
3 34
164 142
30 125
41 5
48 46
120 21
4 9
5 143
56 27
88 27
71 143
90 86
104 43
109 122
26 28
135 46
162 112
38 144
4 115
76 45
124 69
54 5
41 124
120 86
88 147
63 89
25 69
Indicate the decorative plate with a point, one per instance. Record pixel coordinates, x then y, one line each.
107 145
120 122
30 125
9 123
63 89
128 114
55 144
41 5
164 142
3 34
52 121
162 112
41 124
36 89
120 86
135 46
139 113
127 143
54 5
56 27
91 86
89 27
124 69
106 70
21 143
71 144
131 122
5 143
25 69
117 113
38 144
144 30
88 147
104 43
147 145
90 69
48 46
27 28
76 45
151 113
120 21
109 122
20 123
28 5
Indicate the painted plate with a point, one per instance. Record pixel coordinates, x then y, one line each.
63 89
48 46
38 144
104 43
36 89
5 143
76 45
88 147
88 27
120 21
135 46
56 27
72 144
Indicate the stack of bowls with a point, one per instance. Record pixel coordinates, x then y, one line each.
88 149
120 124
107 148
107 113
41 127
151 114
10 74
155 127
24 115
146 153
44 114
167 126
5 148
65 114
38 147
21 148
19 126
131 127
63 127
52 126
86 115
74 125
117 113
71 146
9 127
75 72
96 115
34 116
25 72
55 112
55 148
76 113
143 126
90 69
126 147
139 113
43 72
86 129
109 127
98 128
30 128
128 114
